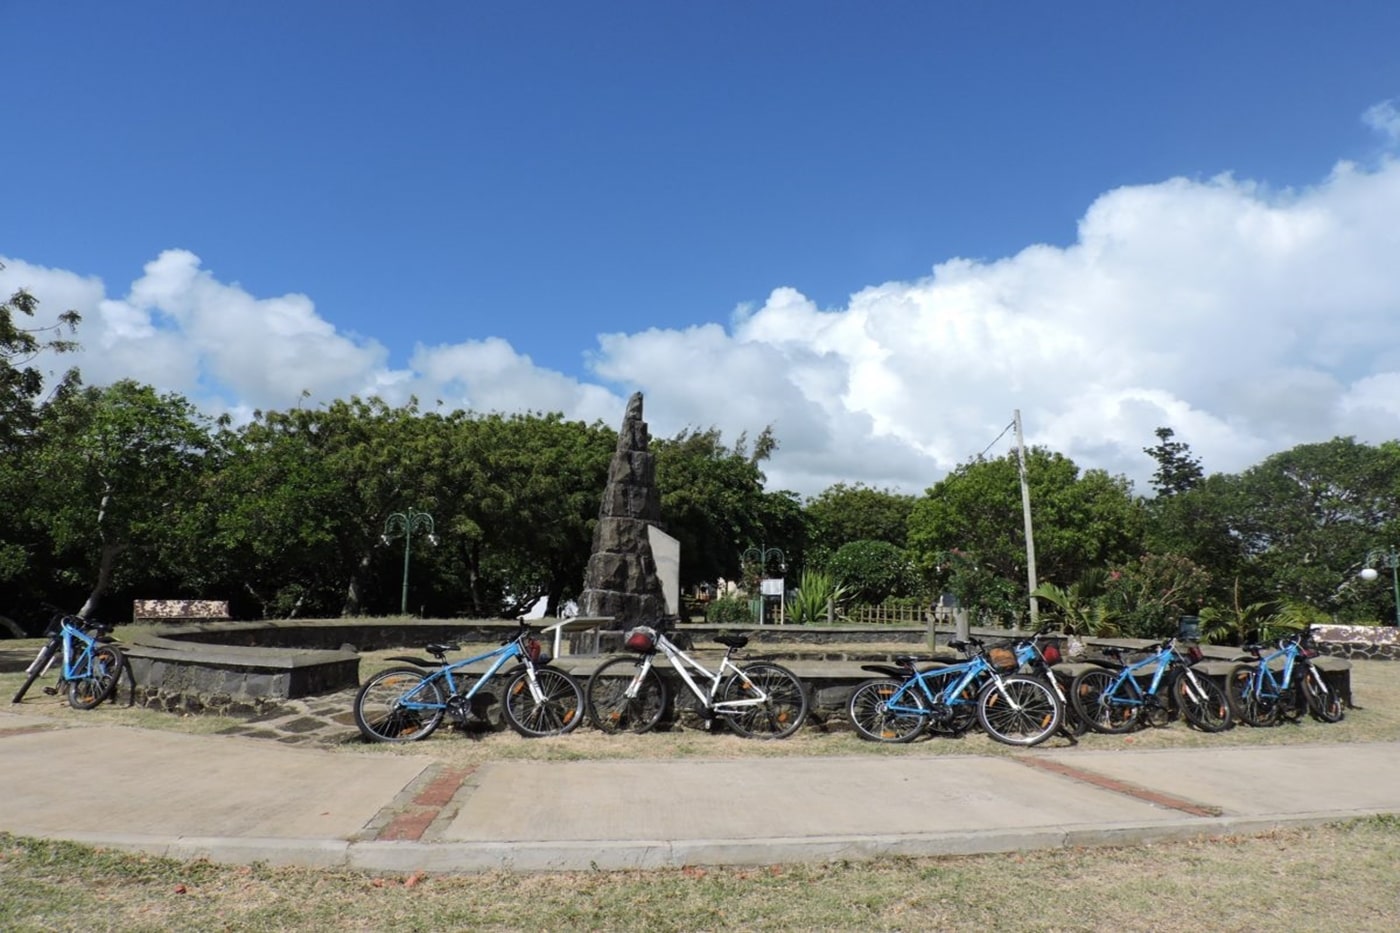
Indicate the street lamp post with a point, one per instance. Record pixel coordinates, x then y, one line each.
405 524
762 555
1390 559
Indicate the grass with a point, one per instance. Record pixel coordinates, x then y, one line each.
1316 878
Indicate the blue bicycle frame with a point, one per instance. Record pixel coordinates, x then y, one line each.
503 655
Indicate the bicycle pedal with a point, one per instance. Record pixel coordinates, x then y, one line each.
51 691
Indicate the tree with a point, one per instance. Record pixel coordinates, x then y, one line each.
842 514
713 502
120 464
1305 518
21 389
967 533
873 571
21 384
1177 470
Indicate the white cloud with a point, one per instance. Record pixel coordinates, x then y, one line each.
1246 319
1384 118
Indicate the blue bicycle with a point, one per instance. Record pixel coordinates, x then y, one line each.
405 704
946 699
1282 684
1148 691
92 664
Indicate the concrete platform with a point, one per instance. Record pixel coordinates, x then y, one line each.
239 799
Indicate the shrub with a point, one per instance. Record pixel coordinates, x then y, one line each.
809 601
873 571
729 610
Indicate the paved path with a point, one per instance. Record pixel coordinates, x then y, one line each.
238 798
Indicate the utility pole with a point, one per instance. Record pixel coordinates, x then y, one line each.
1026 512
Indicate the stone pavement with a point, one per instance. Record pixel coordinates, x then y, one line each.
237 798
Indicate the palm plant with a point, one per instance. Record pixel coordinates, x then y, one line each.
816 592
1082 612
1256 622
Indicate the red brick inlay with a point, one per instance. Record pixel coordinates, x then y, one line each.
1144 794
427 806
25 730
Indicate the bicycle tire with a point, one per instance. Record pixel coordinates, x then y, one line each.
780 715
609 708
1324 703
1072 725
558 710
1202 701
870 716
379 712
106 665
1019 710
36 670
1088 693
1250 707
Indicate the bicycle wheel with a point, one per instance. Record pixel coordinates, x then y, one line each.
783 710
105 668
1091 696
558 710
1324 703
1072 725
869 712
36 670
1202 701
381 711
609 707
1250 707
1019 710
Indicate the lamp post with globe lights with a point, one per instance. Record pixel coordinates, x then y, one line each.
1388 558
404 524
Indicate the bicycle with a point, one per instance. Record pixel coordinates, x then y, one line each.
1015 709
406 704
758 700
92 664
1281 684
1116 701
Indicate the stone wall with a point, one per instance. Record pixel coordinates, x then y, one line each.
1370 642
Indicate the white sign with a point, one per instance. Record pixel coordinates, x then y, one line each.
772 586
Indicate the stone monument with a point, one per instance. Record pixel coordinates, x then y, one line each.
621 580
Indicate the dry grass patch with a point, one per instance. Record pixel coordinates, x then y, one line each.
1320 878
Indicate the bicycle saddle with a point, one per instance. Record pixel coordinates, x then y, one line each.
732 641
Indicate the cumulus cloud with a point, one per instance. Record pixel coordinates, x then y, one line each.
1248 320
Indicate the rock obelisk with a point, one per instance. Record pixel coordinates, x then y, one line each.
621 579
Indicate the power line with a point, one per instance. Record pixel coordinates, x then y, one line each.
995 439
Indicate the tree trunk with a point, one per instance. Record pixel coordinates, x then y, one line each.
354 595
105 565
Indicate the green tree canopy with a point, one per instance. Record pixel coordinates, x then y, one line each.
967 532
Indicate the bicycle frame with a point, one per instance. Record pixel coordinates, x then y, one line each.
1265 682
680 661
76 663
1125 689
955 679
502 656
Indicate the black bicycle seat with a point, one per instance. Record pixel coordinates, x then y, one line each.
439 651
732 641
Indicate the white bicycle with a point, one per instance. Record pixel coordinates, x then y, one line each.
758 700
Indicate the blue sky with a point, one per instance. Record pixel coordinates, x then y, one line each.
877 227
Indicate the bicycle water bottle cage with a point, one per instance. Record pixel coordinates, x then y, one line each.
732 641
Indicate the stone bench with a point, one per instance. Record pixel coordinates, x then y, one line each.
180 610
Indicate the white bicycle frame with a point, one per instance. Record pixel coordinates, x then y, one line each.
680 661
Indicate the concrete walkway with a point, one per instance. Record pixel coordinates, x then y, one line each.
242 799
